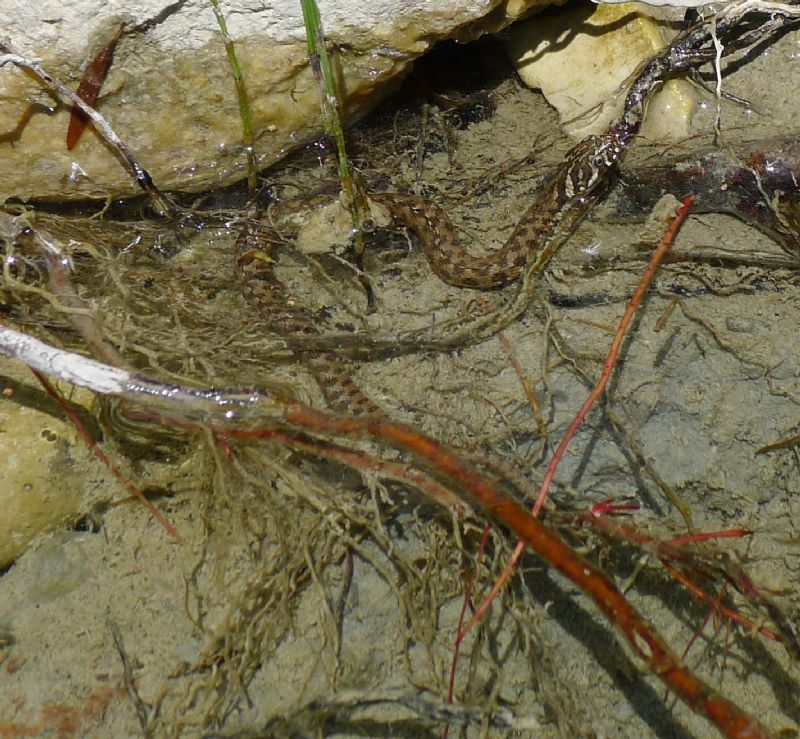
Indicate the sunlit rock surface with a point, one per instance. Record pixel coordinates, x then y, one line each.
581 56
170 94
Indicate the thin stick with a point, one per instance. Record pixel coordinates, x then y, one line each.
162 204
526 387
142 710
608 367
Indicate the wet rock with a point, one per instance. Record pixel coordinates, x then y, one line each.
170 94
41 481
581 56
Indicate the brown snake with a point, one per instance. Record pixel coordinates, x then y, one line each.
582 173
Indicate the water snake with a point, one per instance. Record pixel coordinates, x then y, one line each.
584 170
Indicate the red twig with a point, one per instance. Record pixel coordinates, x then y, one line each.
701 628
608 366
354 459
641 638
451 685
672 554
706 535
103 457
616 344
90 87
470 484
713 601
644 642
460 632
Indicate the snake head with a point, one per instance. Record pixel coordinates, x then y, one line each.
589 162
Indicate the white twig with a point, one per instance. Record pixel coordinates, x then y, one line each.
67 366
202 405
718 71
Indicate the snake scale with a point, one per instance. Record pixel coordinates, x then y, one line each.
285 316
583 171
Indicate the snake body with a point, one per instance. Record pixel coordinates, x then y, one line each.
283 315
584 170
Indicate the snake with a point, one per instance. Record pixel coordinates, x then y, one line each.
585 169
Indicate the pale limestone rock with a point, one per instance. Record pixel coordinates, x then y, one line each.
41 480
581 57
170 93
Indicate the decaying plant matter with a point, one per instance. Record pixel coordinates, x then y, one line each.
370 441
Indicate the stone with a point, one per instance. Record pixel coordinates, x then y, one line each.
170 93
43 476
580 58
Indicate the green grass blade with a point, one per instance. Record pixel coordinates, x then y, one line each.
241 93
331 114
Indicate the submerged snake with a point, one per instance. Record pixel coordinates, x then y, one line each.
283 315
580 176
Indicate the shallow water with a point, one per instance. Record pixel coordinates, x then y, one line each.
301 582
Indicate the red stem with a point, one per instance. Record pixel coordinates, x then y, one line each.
616 344
641 638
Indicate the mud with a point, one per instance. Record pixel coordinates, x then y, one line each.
307 600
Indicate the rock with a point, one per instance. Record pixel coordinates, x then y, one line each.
43 477
580 58
170 94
